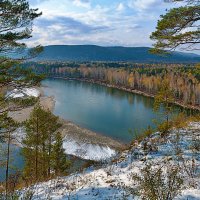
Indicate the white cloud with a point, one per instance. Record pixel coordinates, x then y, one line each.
145 4
82 3
120 7
120 22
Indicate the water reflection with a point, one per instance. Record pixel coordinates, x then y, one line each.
108 111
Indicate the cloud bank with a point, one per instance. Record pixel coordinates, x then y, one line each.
100 22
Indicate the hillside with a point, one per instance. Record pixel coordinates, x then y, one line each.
97 53
176 156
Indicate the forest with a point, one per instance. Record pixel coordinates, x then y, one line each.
184 80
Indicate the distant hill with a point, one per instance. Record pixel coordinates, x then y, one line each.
98 53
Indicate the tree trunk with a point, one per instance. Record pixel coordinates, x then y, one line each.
36 154
49 156
7 163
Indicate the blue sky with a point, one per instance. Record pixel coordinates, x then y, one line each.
99 22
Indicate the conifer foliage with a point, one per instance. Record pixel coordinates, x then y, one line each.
16 20
59 160
43 152
179 27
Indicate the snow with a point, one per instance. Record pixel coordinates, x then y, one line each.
18 135
114 179
19 93
190 194
87 151
80 149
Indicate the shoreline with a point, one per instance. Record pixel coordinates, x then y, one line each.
24 114
80 134
197 108
69 130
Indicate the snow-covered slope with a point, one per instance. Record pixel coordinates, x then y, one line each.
79 149
115 180
16 93
88 151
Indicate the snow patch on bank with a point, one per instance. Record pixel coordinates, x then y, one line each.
87 151
72 147
20 93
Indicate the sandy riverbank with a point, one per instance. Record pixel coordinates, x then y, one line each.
72 131
24 114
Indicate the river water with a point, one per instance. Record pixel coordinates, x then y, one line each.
111 112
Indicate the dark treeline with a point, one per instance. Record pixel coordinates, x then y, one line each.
184 80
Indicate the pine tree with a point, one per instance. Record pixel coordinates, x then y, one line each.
49 137
16 24
16 19
33 141
179 27
37 150
7 128
59 159
164 99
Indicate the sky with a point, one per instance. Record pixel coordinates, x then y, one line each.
96 22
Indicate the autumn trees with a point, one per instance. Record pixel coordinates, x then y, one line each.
183 80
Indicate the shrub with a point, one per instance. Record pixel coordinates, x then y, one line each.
158 184
164 128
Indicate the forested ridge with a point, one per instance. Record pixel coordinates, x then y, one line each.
184 80
89 53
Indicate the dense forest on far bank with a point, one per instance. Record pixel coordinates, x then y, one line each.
183 79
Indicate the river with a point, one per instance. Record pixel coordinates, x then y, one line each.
108 111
